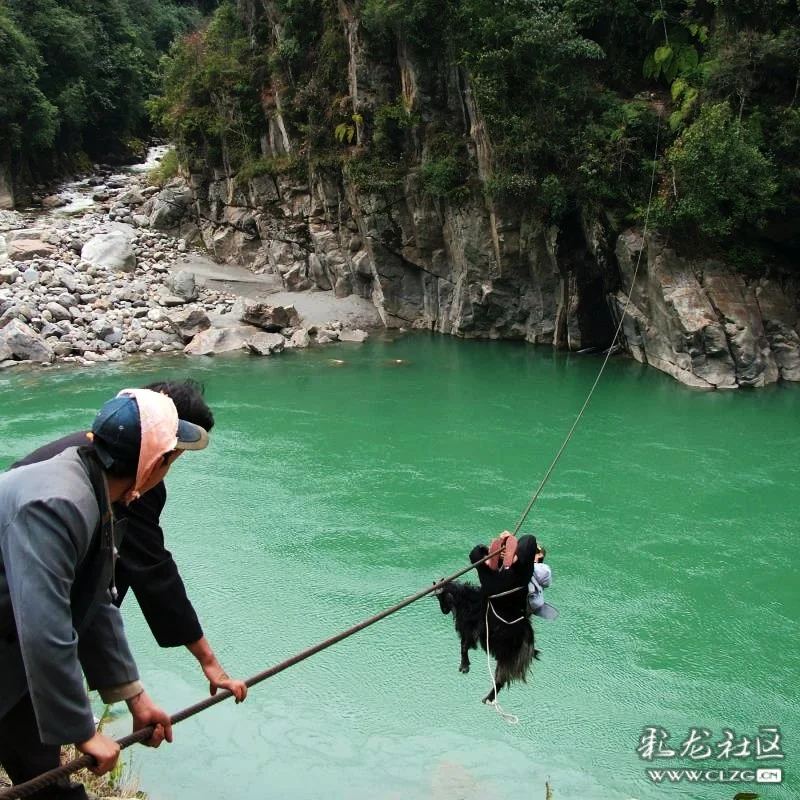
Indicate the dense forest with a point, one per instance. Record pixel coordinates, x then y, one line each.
75 75
577 96
573 94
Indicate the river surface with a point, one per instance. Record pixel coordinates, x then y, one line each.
332 490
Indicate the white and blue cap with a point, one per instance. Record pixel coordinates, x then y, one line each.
117 431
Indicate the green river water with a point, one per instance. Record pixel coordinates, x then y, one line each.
332 490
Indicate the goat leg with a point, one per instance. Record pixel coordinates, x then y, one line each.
464 658
490 698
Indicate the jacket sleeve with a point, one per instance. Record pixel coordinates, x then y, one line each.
41 546
492 581
497 581
543 575
526 558
148 568
103 650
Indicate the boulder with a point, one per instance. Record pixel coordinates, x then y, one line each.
217 340
9 275
112 251
133 197
170 300
20 312
356 335
23 343
58 312
270 318
295 278
53 201
182 283
264 344
24 249
170 207
343 287
188 322
66 278
300 339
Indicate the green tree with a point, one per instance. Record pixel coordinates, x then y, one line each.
722 179
28 121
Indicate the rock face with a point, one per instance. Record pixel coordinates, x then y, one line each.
112 251
474 266
703 324
481 270
480 273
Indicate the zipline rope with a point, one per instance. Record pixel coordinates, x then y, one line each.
47 778
608 352
508 717
512 718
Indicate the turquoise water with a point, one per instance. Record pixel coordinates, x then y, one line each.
332 490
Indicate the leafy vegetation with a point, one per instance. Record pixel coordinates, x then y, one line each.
167 168
74 75
211 107
723 180
574 98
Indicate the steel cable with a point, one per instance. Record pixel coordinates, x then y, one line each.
47 778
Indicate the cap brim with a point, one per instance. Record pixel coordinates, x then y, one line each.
191 436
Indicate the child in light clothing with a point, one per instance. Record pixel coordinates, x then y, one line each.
541 579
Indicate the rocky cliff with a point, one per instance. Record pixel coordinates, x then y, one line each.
473 266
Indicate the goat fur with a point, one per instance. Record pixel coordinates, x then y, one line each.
511 645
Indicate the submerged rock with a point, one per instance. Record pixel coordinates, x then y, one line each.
353 336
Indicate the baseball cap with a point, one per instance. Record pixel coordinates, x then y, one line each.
117 432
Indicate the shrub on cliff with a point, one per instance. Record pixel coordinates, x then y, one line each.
721 179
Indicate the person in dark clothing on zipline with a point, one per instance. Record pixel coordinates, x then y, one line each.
145 565
505 577
496 615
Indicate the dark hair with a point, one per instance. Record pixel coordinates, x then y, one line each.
122 469
188 398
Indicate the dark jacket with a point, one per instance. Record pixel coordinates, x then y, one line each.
516 577
56 616
144 565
